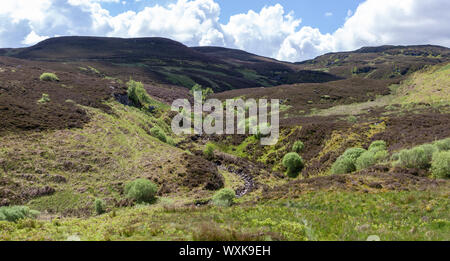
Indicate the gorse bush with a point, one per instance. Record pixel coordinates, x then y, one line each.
158 133
440 165
139 95
14 213
443 145
100 206
141 190
370 158
378 145
377 152
418 157
224 197
298 146
294 164
209 151
44 99
346 162
49 77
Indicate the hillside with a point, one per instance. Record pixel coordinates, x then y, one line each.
165 61
381 62
73 141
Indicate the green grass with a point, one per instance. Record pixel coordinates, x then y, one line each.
413 215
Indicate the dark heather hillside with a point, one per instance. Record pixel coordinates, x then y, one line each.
169 62
382 62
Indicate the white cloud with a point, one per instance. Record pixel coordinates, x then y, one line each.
271 31
328 14
33 38
261 33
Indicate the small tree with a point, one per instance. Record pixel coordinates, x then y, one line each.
224 197
141 190
100 206
209 151
298 146
294 164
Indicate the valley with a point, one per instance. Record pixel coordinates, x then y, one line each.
367 133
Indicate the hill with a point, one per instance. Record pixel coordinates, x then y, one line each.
382 62
165 61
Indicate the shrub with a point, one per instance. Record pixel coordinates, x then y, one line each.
14 213
49 77
138 94
100 206
440 165
158 133
209 151
370 158
419 157
346 162
294 164
443 145
44 99
353 153
298 146
378 145
224 197
141 190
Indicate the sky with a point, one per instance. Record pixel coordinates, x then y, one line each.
289 30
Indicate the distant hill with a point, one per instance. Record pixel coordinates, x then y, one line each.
168 61
382 62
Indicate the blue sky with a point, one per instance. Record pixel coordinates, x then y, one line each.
312 12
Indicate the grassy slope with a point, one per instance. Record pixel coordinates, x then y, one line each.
110 150
314 216
427 86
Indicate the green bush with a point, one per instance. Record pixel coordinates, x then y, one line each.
298 146
294 164
346 162
370 158
49 77
100 206
141 190
440 165
138 94
378 145
158 133
443 145
44 99
224 197
209 151
14 213
418 157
